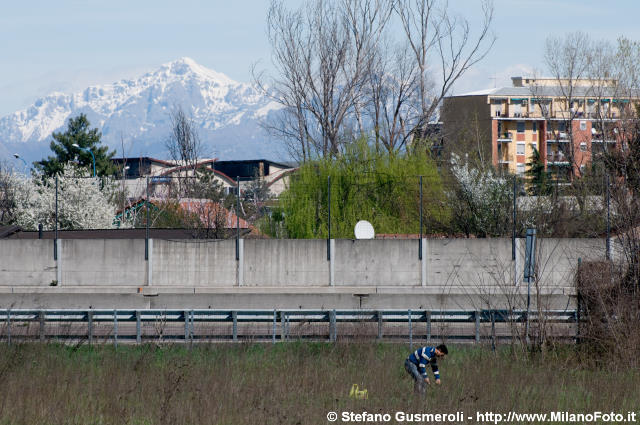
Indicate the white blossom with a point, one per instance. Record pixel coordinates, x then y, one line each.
83 202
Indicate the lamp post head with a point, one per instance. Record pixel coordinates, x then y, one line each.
75 145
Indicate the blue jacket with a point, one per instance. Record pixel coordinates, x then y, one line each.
423 356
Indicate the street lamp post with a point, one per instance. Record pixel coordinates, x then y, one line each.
21 159
75 145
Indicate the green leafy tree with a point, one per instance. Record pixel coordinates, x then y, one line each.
382 188
539 178
78 132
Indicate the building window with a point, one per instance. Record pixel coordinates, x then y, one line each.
583 125
520 126
520 168
520 149
562 126
534 126
583 146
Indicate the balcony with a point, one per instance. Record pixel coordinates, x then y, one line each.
557 137
557 158
505 137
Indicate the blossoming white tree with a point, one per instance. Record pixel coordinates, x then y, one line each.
481 199
83 202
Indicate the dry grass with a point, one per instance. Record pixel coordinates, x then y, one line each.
289 383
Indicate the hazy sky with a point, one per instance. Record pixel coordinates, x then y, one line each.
67 45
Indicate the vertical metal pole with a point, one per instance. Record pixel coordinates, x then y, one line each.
191 329
283 328
513 233
329 218
332 326
39 230
234 316
273 335
420 239
379 317
238 219
185 314
579 303
41 319
410 332
493 331
115 328
146 237
608 254
9 327
90 326
138 327
55 239
428 314
477 314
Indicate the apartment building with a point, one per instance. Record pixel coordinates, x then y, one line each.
567 122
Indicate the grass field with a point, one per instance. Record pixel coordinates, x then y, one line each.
290 383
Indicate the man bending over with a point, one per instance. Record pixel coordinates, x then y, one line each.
416 365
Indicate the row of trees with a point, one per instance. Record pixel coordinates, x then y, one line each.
344 73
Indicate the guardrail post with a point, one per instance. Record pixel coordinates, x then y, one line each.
493 330
410 332
332 326
115 328
41 319
191 329
379 317
477 317
185 314
274 327
9 327
428 317
283 326
90 326
138 327
234 317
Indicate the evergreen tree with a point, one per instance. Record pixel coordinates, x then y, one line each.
539 179
78 132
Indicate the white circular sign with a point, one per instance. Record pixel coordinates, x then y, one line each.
364 230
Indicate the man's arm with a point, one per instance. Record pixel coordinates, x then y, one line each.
436 372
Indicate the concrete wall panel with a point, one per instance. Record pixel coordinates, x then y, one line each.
103 262
285 262
194 263
386 262
25 262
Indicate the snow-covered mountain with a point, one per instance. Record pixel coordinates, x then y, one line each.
137 112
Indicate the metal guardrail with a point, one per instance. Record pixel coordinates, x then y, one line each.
12 320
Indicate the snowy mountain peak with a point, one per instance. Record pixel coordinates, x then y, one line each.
137 111
188 67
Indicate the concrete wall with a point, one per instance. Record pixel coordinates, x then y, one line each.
26 262
285 262
194 263
472 263
384 262
102 262
477 262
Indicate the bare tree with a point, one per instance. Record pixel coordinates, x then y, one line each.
444 42
322 53
184 146
338 78
183 143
